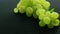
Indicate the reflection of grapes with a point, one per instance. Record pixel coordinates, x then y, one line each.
39 9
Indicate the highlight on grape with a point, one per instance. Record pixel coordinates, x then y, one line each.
39 9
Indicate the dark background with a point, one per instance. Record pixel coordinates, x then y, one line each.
11 23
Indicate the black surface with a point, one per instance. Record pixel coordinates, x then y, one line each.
11 23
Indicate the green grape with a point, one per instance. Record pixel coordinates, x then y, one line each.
34 15
34 9
22 9
30 3
46 20
42 24
28 15
29 11
48 14
42 1
56 22
50 26
40 11
38 6
41 17
46 4
25 2
34 12
15 10
19 4
54 15
35 2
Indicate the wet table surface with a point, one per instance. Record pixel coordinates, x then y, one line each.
11 23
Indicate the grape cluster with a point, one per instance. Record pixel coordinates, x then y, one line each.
49 19
39 9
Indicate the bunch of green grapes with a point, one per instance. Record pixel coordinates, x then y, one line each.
49 19
38 9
